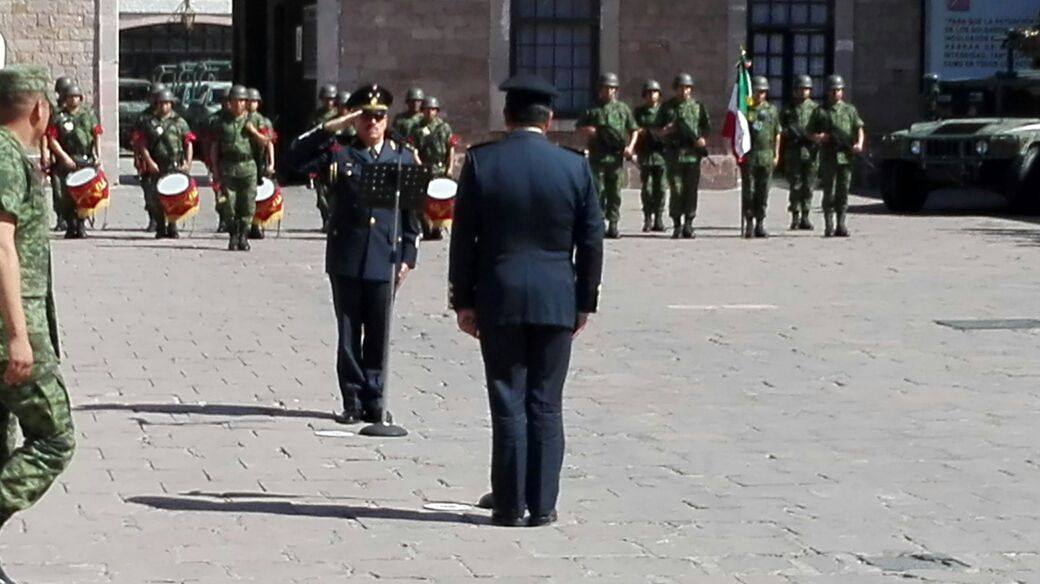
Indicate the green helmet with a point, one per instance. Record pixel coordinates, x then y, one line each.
165 96
415 94
62 84
609 80
431 102
835 82
651 85
683 80
760 84
342 98
72 90
803 82
238 92
155 88
327 92
254 94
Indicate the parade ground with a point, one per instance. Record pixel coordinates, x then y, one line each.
788 410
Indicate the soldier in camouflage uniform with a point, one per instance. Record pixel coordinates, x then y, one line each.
325 112
164 143
32 391
435 142
233 137
611 131
47 161
802 162
403 122
73 136
686 126
756 170
262 155
650 154
838 129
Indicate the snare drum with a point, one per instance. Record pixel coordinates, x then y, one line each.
440 202
269 203
178 196
88 189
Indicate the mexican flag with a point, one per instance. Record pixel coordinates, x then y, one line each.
736 128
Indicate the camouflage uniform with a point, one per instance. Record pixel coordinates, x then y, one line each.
165 139
614 124
404 122
76 133
237 169
265 126
40 405
652 171
801 162
321 187
841 122
433 140
757 170
690 122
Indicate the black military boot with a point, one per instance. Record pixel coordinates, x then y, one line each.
760 229
658 224
795 221
171 230
749 228
687 228
70 230
81 228
232 238
828 224
61 225
648 222
243 238
151 225
222 225
841 230
677 230
160 230
255 232
612 230
804 224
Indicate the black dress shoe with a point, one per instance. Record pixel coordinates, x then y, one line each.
508 520
487 501
375 416
540 520
346 418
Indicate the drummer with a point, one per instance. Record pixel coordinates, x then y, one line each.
435 142
165 144
73 138
263 155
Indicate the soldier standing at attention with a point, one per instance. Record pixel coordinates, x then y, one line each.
73 139
801 164
32 392
838 129
686 125
404 121
756 170
164 143
435 143
326 111
47 161
650 155
233 137
611 131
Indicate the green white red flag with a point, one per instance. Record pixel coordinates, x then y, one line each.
736 128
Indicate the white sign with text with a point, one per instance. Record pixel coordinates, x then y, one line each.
964 38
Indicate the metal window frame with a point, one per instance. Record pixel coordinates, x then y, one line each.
593 22
789 31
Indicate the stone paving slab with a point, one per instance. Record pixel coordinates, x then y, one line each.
740 413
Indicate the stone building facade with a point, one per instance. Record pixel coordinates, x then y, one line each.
76 38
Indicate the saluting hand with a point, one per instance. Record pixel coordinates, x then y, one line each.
467 319
19 362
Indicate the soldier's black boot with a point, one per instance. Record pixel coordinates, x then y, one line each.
232 238
828 224
255 233
70 230
795 222
648 222
151 225
171 230
760 229
677 230
243 238
222 226
804 224
160 230
81 228
658 224
612 230
841 230
61 225
687 228
749 228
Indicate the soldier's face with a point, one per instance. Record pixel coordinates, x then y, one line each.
329 103
430 113
165 108
73 102
760 96
415 105
651 97
371 127
237 106
684 91
836 95
802 93
254 106
607 93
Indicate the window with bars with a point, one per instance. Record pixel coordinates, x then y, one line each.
559 40
790 38
141 50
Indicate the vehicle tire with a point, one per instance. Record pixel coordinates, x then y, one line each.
1024 183
901 188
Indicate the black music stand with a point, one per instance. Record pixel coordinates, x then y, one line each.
392 186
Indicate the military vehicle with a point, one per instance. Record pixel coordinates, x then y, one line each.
133 99
983 133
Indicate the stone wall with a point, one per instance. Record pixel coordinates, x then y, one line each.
56 33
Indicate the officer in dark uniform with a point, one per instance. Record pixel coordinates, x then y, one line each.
358 255
524 272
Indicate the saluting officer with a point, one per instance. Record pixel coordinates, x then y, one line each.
525 267
756 170
838 129
233 136
611 131
650 155
404 121
73 137
164 143
686 127
358 253
800 152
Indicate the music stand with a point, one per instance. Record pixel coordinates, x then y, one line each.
392 186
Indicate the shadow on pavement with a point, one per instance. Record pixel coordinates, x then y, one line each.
206 410
1024 237
167 503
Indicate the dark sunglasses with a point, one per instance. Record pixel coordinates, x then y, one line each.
373 116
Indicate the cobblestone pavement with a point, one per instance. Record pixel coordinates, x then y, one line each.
754 412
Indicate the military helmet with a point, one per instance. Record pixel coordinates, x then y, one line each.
683 80
609 80
803 82
238 92
835 82
164 96
760 84
327 92
431 102
651 85
72 90
415 94
62 84
254 94
155 88
342 98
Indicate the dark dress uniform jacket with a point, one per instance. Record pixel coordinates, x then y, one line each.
527 240
359 243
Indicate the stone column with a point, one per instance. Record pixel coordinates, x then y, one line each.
106 83
329 43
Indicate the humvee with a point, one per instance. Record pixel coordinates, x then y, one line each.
984 133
